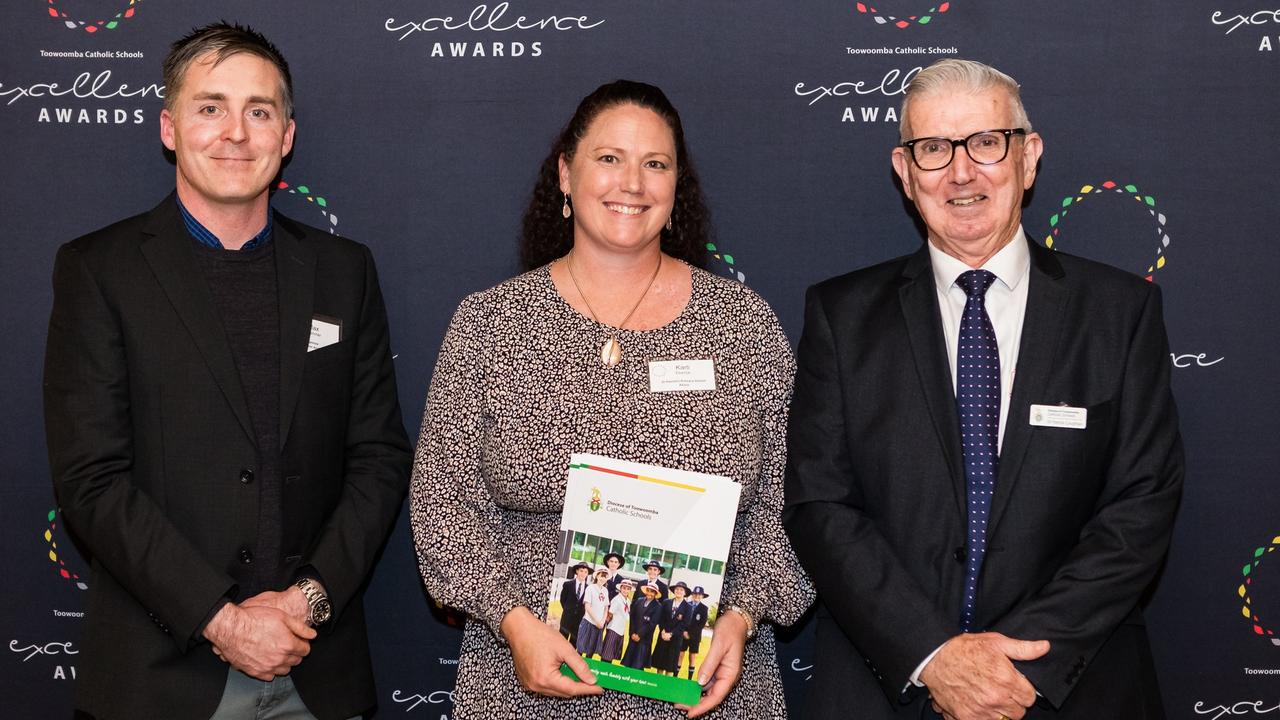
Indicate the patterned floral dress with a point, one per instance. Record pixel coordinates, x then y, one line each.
518 387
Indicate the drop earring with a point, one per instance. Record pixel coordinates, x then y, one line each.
567 211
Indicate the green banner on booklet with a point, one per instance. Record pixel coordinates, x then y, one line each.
639 682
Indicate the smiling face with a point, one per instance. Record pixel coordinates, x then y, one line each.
653 572
971 210
228 130
580 574
621 179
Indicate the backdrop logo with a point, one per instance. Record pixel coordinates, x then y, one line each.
730 265
111 22
412 700
1249 607
50 537
1147 202
493 22
873 93
316 201
81 101
1155 262
923 18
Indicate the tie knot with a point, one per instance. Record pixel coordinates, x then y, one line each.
975 282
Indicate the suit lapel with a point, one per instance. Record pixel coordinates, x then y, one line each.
1041 335
295 273
919 300
170 256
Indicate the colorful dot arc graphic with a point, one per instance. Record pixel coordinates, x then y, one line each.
54 557
901 22
1249 571
731 265
320 202
1148 202
93 26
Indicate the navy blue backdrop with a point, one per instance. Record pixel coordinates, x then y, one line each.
420 136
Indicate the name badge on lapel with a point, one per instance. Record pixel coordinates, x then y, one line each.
677 375
1059 416
325 331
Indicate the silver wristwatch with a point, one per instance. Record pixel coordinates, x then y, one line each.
317 600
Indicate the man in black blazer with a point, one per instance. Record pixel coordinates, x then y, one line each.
572 604
223 426
981 544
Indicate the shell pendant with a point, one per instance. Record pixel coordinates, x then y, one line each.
611 352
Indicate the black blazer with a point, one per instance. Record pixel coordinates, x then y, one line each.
697 621
149 436
572 609
1080 520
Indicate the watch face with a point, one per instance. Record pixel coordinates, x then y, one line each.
321 611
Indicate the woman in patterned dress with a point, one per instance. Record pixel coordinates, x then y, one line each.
556 361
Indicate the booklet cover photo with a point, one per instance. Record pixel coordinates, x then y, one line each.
639 571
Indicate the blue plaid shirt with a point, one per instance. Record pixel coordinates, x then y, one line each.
202 235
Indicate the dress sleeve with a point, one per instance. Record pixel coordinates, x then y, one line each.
764 577
452 512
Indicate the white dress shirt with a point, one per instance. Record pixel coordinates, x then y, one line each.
1006 302
1006 306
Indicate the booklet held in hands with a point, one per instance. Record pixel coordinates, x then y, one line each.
639 572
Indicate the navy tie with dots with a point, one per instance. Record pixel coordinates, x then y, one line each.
978 403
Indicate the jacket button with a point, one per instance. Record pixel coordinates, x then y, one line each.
246 557
246 476
960 555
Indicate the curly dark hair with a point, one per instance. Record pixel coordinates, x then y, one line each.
547 235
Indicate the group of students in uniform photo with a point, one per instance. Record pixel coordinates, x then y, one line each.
642 624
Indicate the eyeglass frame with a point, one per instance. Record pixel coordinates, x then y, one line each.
964 142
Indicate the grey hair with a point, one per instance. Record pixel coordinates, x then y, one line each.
957 75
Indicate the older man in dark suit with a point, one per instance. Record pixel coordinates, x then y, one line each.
223 427
981 544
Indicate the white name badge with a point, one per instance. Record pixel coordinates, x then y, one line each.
1059 416
677 375
325 331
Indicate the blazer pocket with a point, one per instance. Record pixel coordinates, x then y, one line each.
328 354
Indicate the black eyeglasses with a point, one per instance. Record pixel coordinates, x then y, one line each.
986 147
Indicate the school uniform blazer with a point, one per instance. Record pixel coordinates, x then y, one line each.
1080 520
152 453
697 621
572 609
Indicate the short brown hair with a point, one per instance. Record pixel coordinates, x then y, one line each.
223 39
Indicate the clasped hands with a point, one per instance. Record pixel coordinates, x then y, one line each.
973 678
265 636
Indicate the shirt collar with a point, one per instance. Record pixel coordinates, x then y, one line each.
1010 265
204 236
